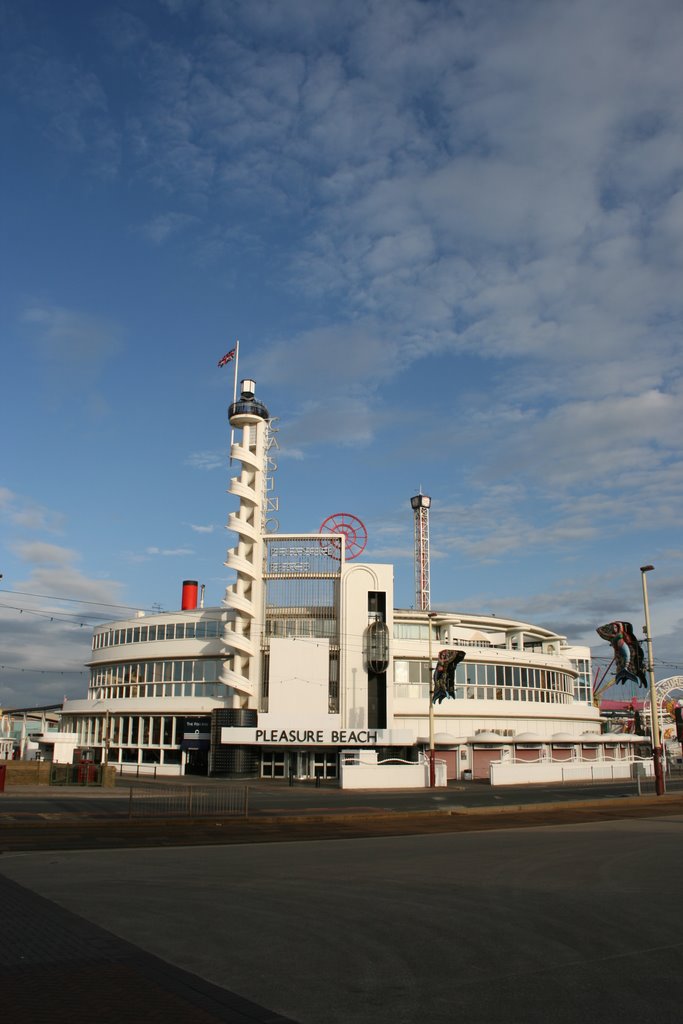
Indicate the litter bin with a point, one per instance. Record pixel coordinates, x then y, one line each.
3 774
467 775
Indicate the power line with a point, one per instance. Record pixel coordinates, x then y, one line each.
75 600
44 671
52 616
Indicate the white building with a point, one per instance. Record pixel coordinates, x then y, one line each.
308 657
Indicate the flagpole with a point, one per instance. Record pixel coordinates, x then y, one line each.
234 393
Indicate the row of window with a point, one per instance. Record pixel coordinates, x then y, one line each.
420 691
472 674
420 631
130 730
182 670
194 629
207 690
318 628
133 755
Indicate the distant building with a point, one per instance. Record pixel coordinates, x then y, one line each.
308 658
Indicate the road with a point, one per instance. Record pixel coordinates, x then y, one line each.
552 925
267 799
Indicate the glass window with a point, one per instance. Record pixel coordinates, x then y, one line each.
129 636
172 756
129 755
134 724
152 632
189 630
143 633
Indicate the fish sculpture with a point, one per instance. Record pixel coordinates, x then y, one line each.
444 674
628 654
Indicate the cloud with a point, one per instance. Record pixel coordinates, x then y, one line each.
202 529
42 554
74 347
162 227
46 625
27 514
206 460
168 552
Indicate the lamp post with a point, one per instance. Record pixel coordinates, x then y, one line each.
432 752
654 710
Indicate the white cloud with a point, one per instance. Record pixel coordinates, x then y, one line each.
168 552
206 460
162 227
40 553
202 529
27 514
74 347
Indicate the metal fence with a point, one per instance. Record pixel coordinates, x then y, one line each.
85 774
188 802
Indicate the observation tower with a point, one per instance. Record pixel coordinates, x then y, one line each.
249 419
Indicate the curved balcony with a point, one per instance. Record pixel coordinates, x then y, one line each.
239 642
243 491
240 565
239 604
239 683
241 527
249 458
248 409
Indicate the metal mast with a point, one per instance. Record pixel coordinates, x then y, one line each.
420 505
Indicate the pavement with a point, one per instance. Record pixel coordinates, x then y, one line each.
55 965
543 925
92 920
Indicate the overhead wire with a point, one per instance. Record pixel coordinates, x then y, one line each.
75 600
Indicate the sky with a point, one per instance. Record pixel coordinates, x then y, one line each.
449 237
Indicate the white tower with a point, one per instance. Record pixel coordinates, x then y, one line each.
420 505
249 419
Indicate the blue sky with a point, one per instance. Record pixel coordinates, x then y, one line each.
450 241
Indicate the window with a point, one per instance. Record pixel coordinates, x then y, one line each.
273 764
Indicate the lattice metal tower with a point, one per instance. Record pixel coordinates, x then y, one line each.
420 505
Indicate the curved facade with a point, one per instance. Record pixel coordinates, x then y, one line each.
308 658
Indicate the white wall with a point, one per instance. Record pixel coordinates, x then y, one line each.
508 774
299 685
357 581
366 773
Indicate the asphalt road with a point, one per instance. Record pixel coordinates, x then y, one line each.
550 925
273 799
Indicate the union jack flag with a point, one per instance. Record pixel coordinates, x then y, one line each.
227 357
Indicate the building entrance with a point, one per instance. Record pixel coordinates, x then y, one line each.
299 764
197 762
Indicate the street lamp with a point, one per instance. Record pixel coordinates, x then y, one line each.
654 711
432 752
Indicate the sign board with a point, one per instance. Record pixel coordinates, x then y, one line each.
195 733
274 736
